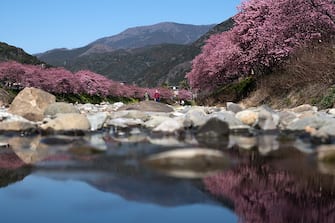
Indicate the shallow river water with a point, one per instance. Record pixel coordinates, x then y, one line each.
104 178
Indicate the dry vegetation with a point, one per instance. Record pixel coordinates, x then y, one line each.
307 77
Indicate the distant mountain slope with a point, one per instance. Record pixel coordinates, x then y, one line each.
147 66
166 32
131 38
8 52
131 65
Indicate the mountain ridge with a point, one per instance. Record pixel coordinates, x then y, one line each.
148 66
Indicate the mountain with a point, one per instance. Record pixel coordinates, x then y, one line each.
166 32
8 52
131 38
121 58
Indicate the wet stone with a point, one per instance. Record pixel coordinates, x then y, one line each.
214 133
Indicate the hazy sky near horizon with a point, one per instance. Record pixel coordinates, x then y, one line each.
41 25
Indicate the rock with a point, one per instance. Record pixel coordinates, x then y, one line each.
30 150
155 121
131 114
267 119
326 153
124 122
15 123
247 117
233 107
67 122
150 106
304 108
31 103
214 133
189 158
228 117
60 108
326 130
170 125
195 117
244 142
317 121
267 143
97 120
17 126
331 111
285 118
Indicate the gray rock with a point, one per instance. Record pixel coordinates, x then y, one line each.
233 107
60 108
328 129
267 119
195 117
317 121
285 118
170 125
214 133
155 121
228 117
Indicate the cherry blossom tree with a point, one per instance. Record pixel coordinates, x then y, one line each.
61 81
264 194
266 33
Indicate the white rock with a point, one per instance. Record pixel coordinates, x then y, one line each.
97 120
169 125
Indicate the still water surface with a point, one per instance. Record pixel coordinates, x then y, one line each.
62 185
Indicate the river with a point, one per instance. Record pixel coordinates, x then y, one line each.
103 177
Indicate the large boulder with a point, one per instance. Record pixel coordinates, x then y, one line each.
31 103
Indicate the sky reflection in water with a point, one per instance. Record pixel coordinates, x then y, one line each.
39 199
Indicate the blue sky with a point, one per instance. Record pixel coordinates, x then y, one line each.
40 25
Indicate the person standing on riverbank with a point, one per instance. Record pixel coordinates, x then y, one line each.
157 96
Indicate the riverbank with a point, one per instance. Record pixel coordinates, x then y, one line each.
35 112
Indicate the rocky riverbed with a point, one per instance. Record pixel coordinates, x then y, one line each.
35 120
